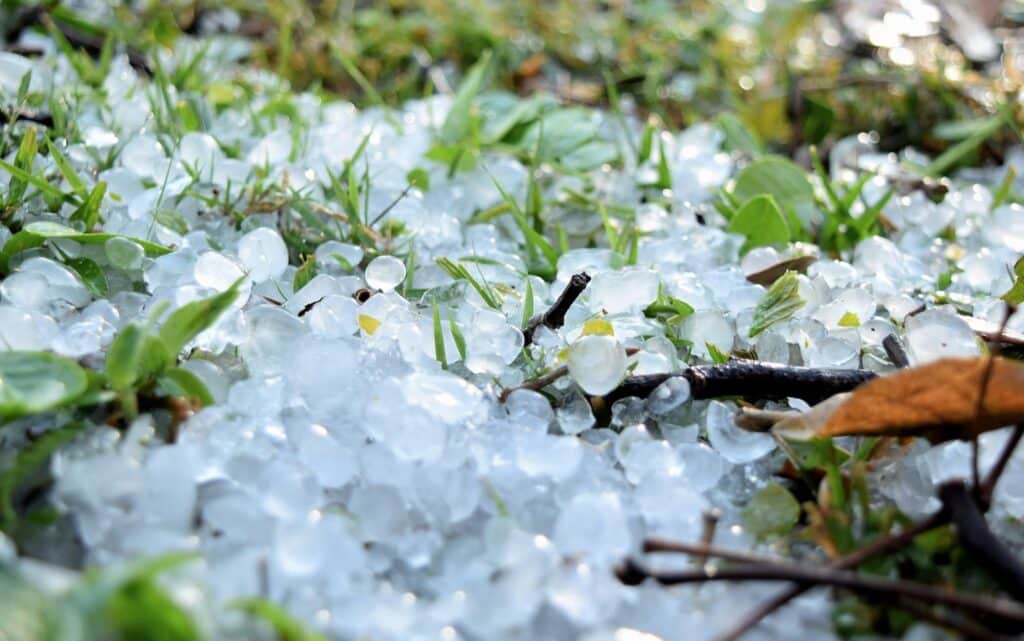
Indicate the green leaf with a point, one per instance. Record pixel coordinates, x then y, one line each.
460 340
69 173
141 609
285 627
780 302
818 119
739 137
186 322
775 176
590 155
25 463
418 178
304 274
646 144
171 220
439 338
458 123
1005 189
179 381
89 211
717 356
37 233
772 511
459 272
527 303
34 382
134 357
954 155
761 222
1016 294
91 274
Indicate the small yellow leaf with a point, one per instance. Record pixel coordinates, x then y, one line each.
598 326
369 324
849 319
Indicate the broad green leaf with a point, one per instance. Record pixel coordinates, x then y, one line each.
25 463
501 113
187 321
141 609
780 302
418 178
772 511
458 123
590 155
179 381
760 220
559 133
284 625
171 220
777 177
33 382
91 274
37 233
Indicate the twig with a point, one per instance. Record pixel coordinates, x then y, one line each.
979 408
535 384
897 355
988 486
39 117
968 628
873 549
391 205
975 536
1006 614
554 317
750 379
709 520
544 380
703 550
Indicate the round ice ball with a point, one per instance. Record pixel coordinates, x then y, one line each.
385 273
597 363
263 253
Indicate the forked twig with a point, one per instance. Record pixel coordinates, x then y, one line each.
554 317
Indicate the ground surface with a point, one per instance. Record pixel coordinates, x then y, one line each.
281 365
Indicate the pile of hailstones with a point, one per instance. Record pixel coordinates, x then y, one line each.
345 474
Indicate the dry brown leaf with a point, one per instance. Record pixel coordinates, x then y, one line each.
938 401
772 273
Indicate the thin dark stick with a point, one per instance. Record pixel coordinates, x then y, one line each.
988 486
391 205
751 379
979 408
897 355
703 550
1009 614
855 558
39 117
554 317
968 628
975 536
536 384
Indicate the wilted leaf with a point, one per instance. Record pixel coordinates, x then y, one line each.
769 275
938 401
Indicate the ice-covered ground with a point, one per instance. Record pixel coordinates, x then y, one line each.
345 474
